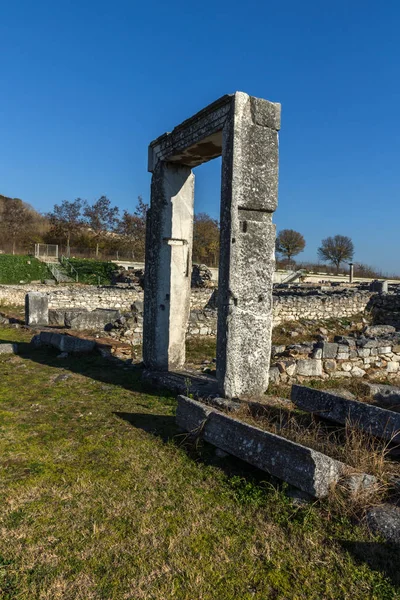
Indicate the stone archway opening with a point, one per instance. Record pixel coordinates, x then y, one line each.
244 131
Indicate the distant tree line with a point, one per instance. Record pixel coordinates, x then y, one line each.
78 227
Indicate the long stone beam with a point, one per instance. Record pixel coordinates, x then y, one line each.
195 140
306 469
373 420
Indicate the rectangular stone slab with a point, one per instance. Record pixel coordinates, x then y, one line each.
374 420
306 469
66 343
36 309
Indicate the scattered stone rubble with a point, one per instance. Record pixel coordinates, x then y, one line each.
129 325
376 352
201 277
128 276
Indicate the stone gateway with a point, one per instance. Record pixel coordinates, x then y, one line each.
244 130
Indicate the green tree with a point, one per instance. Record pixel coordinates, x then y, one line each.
66 220
336 250
101 218
289 243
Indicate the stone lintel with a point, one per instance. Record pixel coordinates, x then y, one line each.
199 138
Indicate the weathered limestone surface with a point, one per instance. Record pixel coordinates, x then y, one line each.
36 309
169 234
298 465
65 343
371 419
8 349
384 520
247 255
77 318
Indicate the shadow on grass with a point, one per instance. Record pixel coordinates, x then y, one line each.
109 371
164 427
379 556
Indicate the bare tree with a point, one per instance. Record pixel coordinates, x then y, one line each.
336 250
101 218
16 219
289 243
66 219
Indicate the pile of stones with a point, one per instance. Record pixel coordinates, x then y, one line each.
374 353
128 276
201 276
128 326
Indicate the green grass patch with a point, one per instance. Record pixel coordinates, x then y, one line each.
14 269
93 272
102 498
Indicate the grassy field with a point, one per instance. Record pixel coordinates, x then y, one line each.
103 499
14 269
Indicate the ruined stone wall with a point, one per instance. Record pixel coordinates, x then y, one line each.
88 297
292 306
377 358
289 305
91 297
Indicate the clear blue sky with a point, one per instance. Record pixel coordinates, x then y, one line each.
86 85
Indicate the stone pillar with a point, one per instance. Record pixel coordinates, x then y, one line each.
36 309
382 287
247 256
351 273
169 235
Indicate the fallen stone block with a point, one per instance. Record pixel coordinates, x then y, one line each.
373 420
309 470
8 349
67 343
384 520
82 319
383 393
85 319
378 330
309 367
56 317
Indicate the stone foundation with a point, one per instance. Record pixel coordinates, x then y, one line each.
317 305
345 358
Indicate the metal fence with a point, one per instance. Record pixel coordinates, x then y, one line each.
46 251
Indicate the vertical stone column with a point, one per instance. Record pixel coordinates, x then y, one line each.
247 256
351 272
168 266
36 309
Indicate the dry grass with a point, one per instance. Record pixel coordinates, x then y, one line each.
363 453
